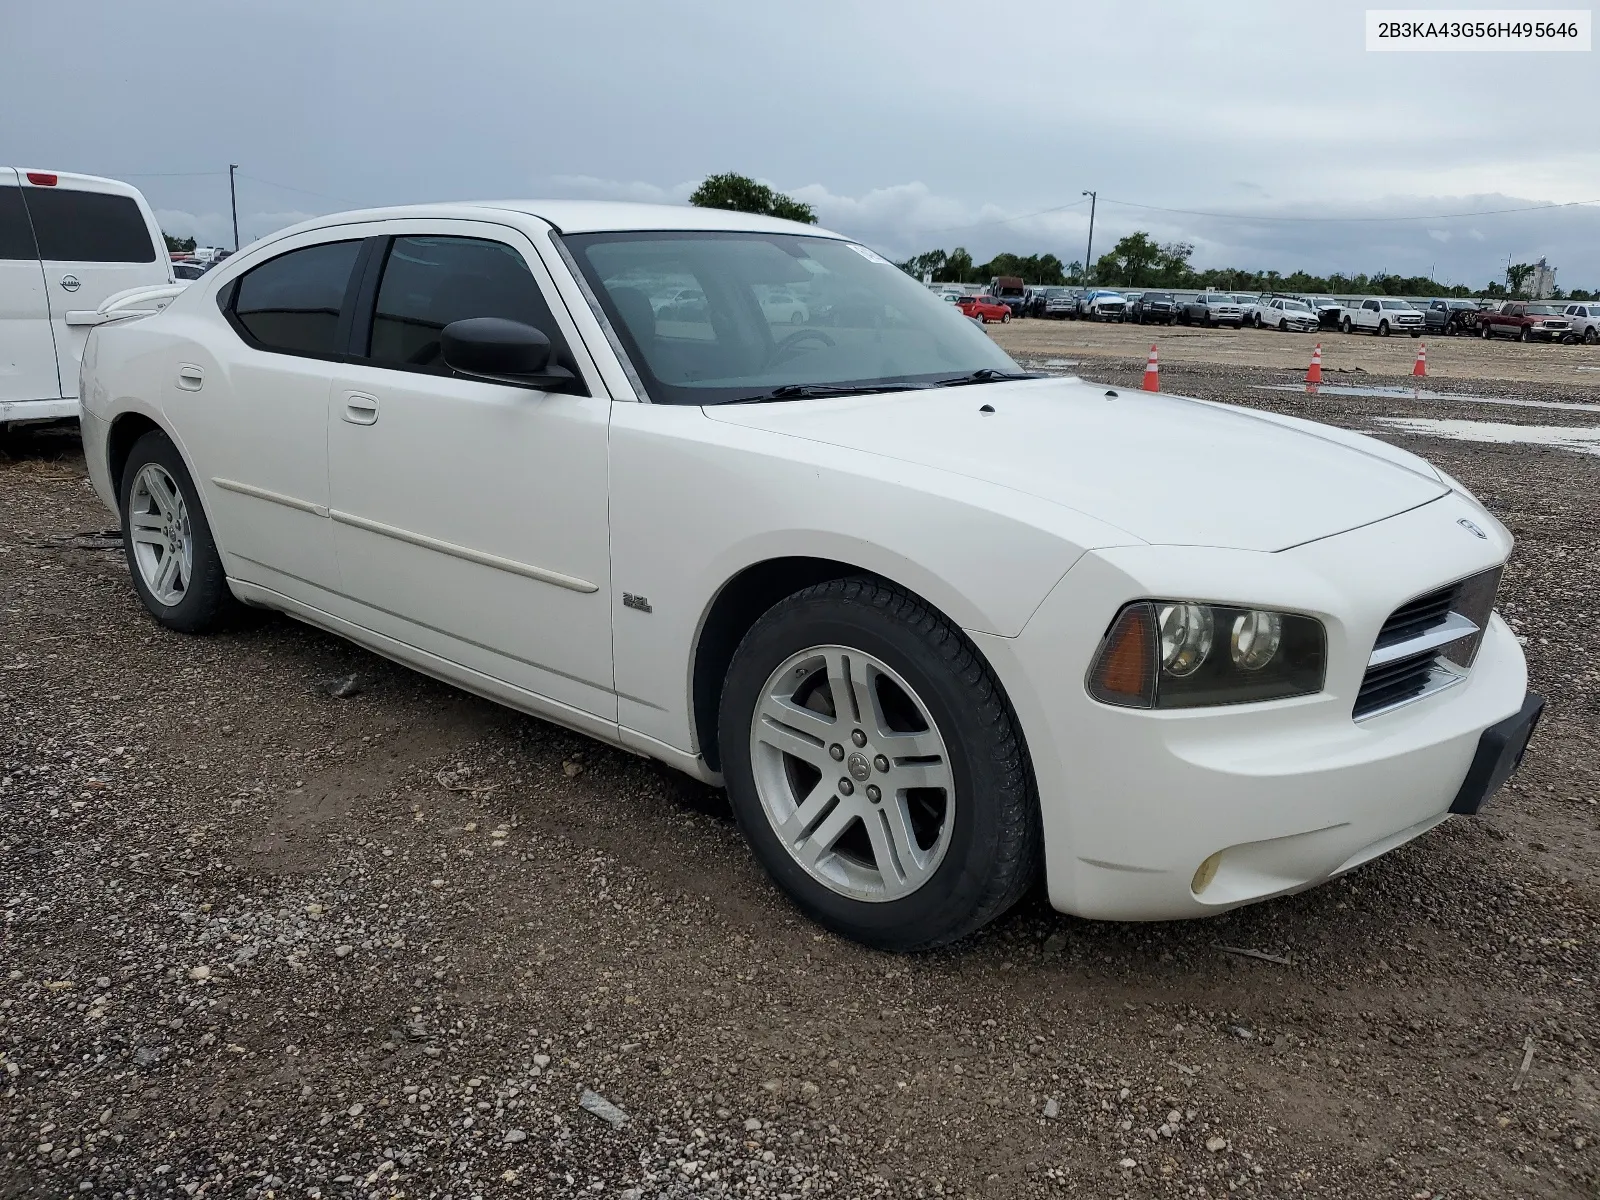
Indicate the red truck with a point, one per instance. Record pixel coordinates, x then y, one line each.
1526 322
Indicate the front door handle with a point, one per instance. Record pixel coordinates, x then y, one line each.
360 408
190 377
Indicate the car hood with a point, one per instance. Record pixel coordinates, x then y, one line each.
1165 469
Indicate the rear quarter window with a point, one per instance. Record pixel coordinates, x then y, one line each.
292 303
16 235
73 226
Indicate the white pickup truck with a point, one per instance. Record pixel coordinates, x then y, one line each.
1382 315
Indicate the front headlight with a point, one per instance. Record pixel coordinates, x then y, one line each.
1177 654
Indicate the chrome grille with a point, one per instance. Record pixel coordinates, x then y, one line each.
1427 644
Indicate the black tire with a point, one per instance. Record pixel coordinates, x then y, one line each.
1383 329
1590 336
1524 336
994 852
1283 326
1005 316
1345 326
207 603
1416 333
1487 332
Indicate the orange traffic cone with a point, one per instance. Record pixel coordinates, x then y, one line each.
1152 373
1314 371
1421 368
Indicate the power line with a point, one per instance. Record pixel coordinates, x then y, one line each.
1247 217
167 174
1004 220
302 191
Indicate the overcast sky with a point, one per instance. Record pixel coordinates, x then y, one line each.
909 124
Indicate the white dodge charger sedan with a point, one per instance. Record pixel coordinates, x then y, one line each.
941 627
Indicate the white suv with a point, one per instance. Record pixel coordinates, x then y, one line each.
1585 320
68 243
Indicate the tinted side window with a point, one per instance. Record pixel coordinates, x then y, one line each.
88 226
428 282
291 303
16 235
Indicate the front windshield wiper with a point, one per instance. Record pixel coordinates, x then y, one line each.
813 391
984 375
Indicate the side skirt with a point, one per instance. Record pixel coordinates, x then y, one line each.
479 684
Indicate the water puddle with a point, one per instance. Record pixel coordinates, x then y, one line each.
1565 437
1405 393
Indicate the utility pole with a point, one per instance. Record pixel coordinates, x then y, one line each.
233 200
1088 253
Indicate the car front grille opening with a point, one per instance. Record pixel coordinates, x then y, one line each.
1427 644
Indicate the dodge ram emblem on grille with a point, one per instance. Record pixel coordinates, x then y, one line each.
1470 527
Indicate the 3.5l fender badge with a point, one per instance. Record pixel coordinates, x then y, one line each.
1471 527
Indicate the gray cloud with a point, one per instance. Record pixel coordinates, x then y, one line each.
908 124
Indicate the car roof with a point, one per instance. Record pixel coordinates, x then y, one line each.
579 216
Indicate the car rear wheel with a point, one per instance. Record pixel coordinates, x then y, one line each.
876 768
167 541
1484 328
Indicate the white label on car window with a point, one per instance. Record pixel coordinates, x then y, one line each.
869 255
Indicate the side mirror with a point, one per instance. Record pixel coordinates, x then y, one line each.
501 351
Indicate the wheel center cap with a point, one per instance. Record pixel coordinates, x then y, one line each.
859 766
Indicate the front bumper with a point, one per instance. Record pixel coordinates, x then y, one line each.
1277 796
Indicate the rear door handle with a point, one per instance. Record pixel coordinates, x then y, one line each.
190 377
360 408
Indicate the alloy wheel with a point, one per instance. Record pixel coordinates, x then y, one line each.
852 773
163 543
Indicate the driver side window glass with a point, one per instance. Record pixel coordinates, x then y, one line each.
428 282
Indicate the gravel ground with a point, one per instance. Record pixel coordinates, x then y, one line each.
283 919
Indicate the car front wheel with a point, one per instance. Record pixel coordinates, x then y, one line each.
167 541
1345 325
1590 337
1005 316
1383 329
876 768
1524 336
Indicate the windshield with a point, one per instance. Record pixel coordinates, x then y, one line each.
1296 306
1395 304
859 321
1542 310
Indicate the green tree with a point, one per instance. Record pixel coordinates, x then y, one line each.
929 262
1517 275
179 245
1582 294
740 193
1135 257
958 268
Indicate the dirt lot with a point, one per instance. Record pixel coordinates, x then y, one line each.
1456 358
282 919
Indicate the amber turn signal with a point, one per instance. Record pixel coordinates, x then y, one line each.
1125 669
